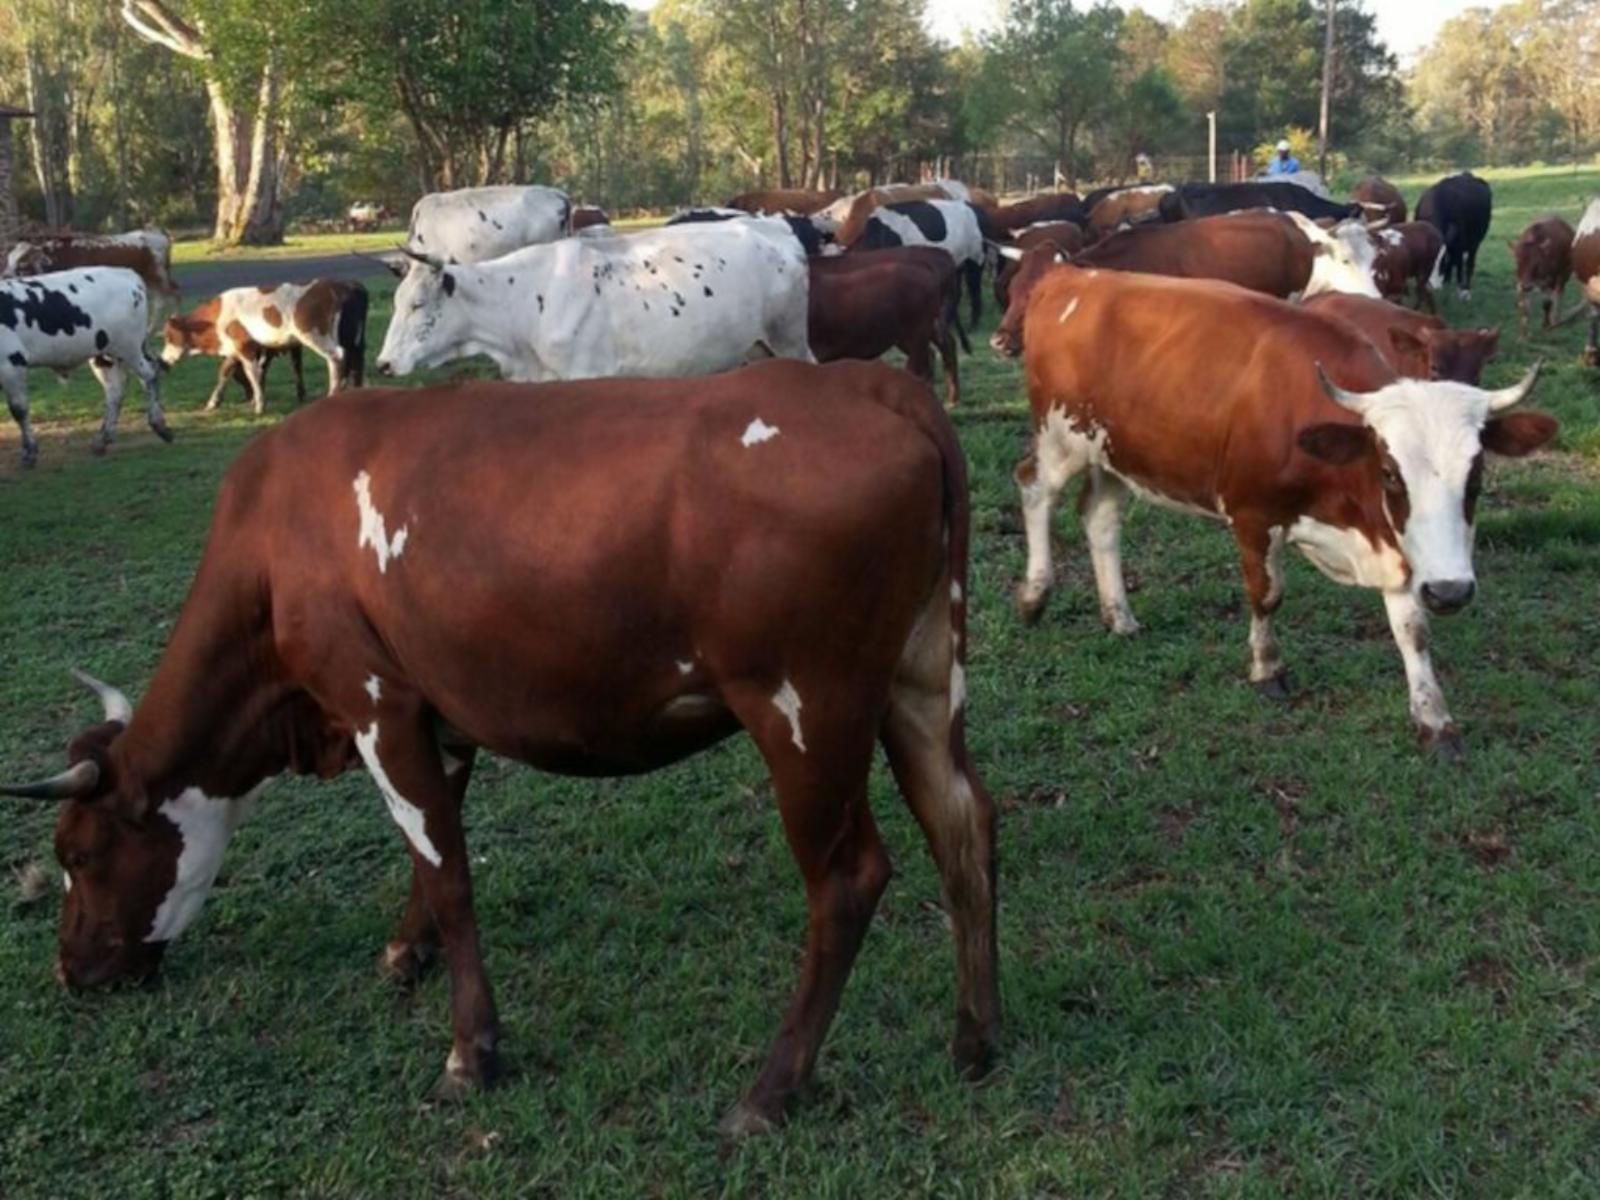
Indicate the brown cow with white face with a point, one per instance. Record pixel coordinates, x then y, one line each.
1284 426
595 578
1543 254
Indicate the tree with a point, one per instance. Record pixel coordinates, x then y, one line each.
239 48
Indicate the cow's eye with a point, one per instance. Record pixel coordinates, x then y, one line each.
1390 475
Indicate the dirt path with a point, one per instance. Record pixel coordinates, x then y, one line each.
205 279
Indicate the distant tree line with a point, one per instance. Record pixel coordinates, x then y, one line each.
241 117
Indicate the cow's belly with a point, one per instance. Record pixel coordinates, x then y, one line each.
274 337
1072 441
678 729
48 350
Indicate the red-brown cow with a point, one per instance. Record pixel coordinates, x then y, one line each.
1380 200
800 201
1065 236
1586 270
1409 253
1286 426
1416 346
589 217
865 304
1543 254
400 598
1035 210
1130 205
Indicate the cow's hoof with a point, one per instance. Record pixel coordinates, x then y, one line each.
162 431
404 964
973 1048
1277 689
1445 744
460 1079
745 1120
1030 605
1121 623
98 444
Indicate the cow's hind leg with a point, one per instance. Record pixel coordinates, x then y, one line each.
1260 552
1040 476
15 382
974 275
1409 624
149 372
1100 506
1591 350
114 381
924 738
819 762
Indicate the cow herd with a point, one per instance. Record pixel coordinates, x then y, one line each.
668 541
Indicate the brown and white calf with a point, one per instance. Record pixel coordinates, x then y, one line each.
1287 427
1586 270
1415 345
1543 254
1409 254
400 601
145 252
327 316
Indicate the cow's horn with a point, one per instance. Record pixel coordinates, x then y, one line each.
117 706
1504 398
1380 224
1354 401
1009 253
72 784
393 268
426 260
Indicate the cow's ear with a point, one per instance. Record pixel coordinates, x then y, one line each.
1518 433
1335 443
449 282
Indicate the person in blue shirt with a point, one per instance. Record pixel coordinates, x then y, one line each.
1286 163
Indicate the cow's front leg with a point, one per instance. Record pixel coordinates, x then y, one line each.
399 750
1409 624
1260 552
1522 311
229 368
114 382
414 949
15 383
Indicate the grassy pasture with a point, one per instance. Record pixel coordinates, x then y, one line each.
1247 951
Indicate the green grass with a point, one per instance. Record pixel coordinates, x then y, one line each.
1246 951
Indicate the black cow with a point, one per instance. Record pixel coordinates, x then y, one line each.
1214 199
1459 207
811 238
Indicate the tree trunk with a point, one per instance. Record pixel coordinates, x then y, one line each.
48 139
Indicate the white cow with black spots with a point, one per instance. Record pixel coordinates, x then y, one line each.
64 319
477 224
680 300
954 226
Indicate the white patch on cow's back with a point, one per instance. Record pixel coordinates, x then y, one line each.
374 688
685 666
374 531
1346 556
787 701
1591 218
1072 307
758 431
204 824
412 820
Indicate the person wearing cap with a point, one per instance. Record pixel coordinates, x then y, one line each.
1285 163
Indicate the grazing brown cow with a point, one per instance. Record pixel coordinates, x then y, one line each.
1411 253
1036 210
802 202
588 218
1380 200
1416 346
1586 270
1130 205
1543 253
780 549
865 304
1286 426
1065 236
145 252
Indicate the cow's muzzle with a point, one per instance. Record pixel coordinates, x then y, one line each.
1004 344
1447 596
385 369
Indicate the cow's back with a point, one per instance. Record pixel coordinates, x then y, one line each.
1259 251
478 224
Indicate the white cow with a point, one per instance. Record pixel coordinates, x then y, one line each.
679 300
94 315
477 224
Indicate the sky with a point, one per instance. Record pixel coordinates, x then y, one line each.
1406 25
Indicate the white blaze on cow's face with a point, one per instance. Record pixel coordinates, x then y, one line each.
429 322
1342 258
1431 441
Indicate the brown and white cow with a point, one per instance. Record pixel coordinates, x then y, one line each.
1543 254
1380 200
802 202
1125 206
328 316
1416 346
904 297
1036 210
846 218
1065 236
145 252
1287 427
1409 254
400 601
1586 270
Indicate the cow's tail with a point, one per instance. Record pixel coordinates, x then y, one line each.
1436 275
352 335
952 314
974 273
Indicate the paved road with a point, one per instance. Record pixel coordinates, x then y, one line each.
204 279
